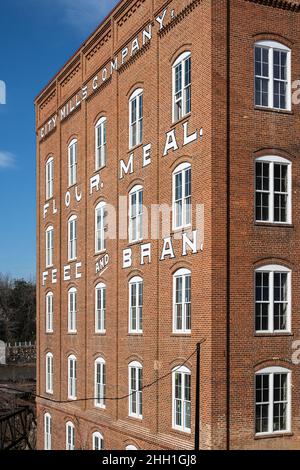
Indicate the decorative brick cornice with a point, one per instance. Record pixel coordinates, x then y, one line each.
71 75
179 17
282 4
48 99
69 70
130 12
98 46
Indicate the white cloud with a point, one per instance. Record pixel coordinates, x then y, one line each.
85 14
7 160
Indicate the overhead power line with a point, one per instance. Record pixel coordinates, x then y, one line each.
52 400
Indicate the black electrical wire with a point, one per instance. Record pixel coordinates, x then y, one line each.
52 400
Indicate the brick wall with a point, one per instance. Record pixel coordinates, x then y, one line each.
222 280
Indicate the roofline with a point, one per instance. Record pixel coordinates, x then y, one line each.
78 50
285 4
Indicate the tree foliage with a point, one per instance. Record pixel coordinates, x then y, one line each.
17 309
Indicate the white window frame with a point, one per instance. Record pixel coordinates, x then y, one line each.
49 373
72 164
72 313
275 46
136 219
136 97
47 431
182 273
98 436
100 147
72 380
271 371
100 313
49 312
70 445
72 242
100 401
183 371
131 447
49 246
182 168
183 98
272 160
100 240
138 282
271 269
49 178
135 391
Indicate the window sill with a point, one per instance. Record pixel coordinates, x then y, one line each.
179 121
182 432
49 333
273 224
275 334
273 435
100 333
99 169
184 229
135 418
99 253
137 242
70 186
181 334
100 407
72 333
273 110
132 333
132 149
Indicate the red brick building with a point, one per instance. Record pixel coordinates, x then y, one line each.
186 104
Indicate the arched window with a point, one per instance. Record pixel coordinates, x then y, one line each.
70 436
49 312
49 177
47 431
182 86
135 389
72 238
272 299
100 382
136 305
98 441
131 447
72 377
136 118
49 246
100 307
182 301
272 75
136 214
273 190
72 310
100 143
72 162
100 242
181 393
49 373
273 401
182 196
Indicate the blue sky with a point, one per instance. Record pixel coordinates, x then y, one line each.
36 38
